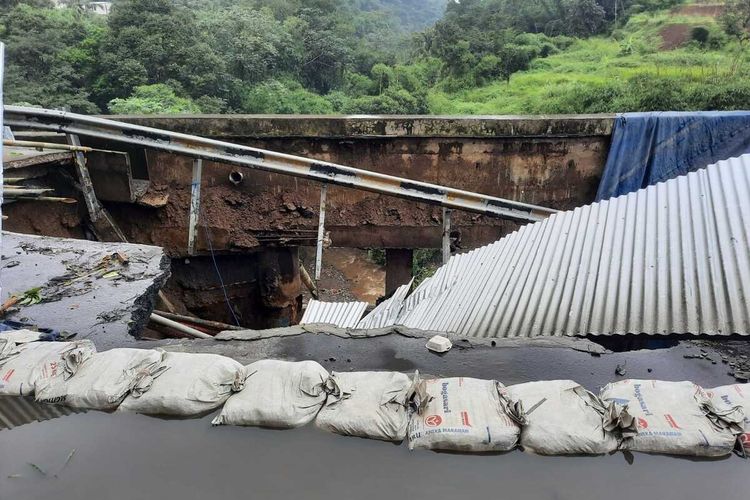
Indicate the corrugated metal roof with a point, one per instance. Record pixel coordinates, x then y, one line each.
386 312
17 411
341 314
671 258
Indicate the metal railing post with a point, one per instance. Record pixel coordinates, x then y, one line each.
195 205
321 231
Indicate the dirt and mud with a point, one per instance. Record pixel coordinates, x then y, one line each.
347 274
675 35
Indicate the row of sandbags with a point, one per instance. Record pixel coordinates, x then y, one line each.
454 414
74 374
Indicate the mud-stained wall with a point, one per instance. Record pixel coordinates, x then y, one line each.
550 161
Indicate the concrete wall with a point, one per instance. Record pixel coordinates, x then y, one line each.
551 161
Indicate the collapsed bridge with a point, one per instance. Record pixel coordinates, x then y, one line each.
254 218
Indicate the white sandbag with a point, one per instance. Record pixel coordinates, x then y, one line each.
367 404
103 381
671 417
278 394
35 365
191 384
20 336
563 418
463 414
730 399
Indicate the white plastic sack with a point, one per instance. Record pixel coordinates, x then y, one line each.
671 417
191 384
106 378
562 418
33 366
278 394
730 399
20 336
463 414
367 404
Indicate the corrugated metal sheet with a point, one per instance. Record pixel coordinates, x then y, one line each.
17 411
341 314
386 312
671 258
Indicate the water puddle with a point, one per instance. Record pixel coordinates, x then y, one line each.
128 456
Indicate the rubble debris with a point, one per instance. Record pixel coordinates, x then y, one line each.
80 286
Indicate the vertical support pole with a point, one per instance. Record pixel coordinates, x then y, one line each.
321 231
2 133
446 234
104 226
92 204
195 205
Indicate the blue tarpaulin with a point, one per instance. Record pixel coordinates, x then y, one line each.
648 148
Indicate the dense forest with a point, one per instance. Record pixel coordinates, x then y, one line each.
377 56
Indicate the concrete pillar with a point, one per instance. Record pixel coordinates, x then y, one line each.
397 268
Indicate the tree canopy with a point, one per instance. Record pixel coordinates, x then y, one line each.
304 56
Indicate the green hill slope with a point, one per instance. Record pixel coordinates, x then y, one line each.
658 61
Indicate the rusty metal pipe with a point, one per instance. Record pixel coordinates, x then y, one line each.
198 321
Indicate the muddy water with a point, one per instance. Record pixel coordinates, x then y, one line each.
127 456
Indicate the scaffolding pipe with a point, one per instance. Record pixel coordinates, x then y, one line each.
45 145
161 320
198 321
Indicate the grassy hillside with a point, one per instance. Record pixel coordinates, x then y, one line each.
633 69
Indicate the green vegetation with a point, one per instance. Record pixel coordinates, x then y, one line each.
377 56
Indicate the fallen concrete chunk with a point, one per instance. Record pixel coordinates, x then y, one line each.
89 288
289 331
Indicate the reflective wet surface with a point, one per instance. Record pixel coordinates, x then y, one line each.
125 456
